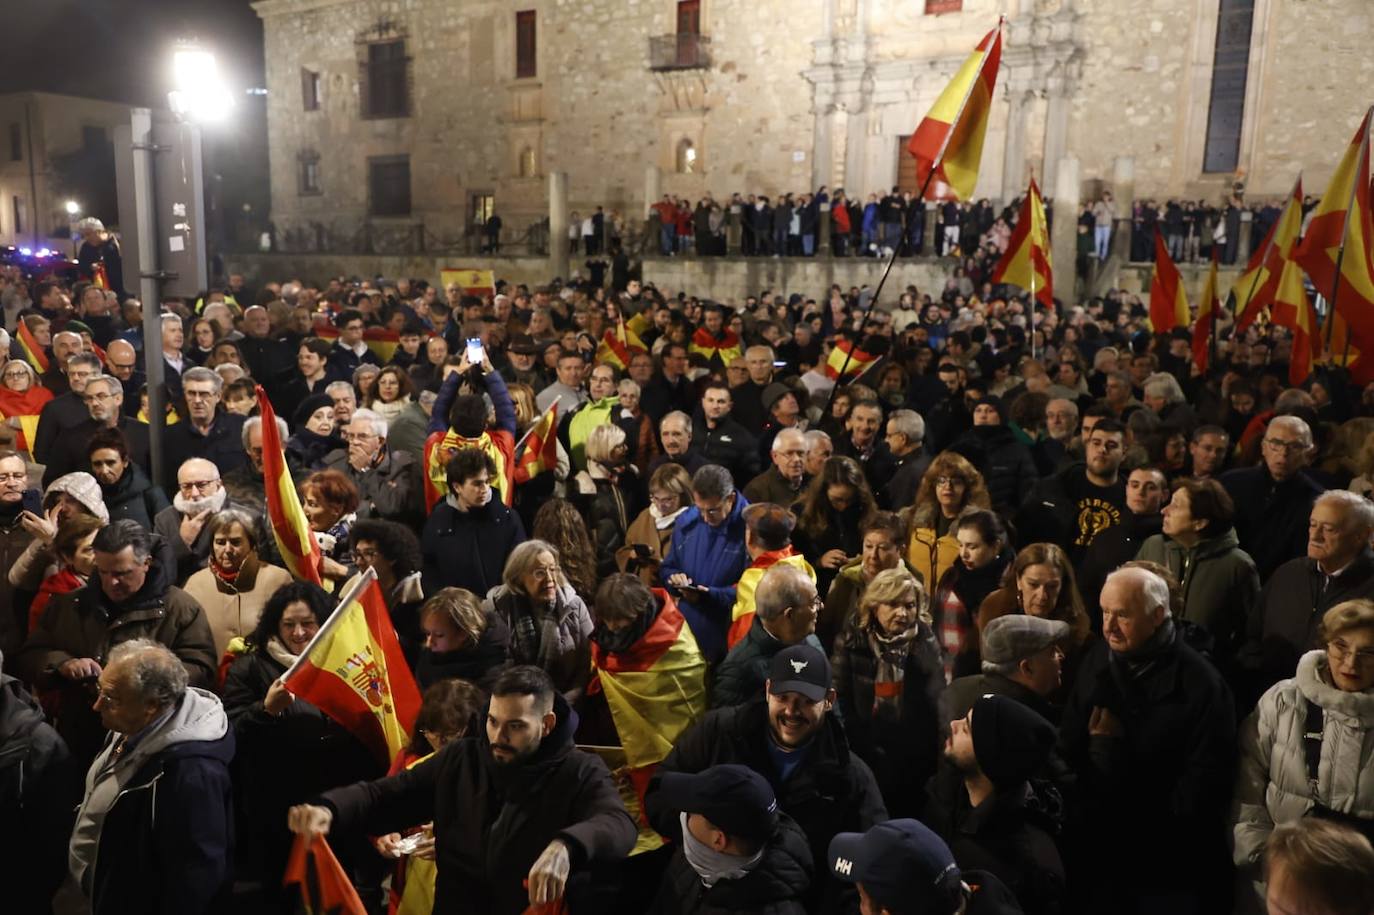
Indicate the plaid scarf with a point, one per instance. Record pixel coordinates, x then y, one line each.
890 652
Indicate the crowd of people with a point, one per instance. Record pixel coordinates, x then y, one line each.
1002 623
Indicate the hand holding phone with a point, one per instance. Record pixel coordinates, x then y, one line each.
476 354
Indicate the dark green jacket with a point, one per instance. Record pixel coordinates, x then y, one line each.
1220 584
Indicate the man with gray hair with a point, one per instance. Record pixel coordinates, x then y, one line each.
785 608
785 479
245 484
345 401
154 831
675 433
819 449
104 399
65 411
205 431
65 345
1274 499
1150 730
904 437
388 481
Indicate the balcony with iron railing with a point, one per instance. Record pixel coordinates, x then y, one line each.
682 51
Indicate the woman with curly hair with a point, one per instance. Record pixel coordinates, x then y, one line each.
330 502
831 516
559 523
393 551
391 393
950 485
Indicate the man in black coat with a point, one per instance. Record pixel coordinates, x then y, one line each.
1147 490
1083 501
1273 500
205 431
1150 730
517 801
469 535
104 399
719 439
65 411
669 389
1006 464
905 440
270 361
790 738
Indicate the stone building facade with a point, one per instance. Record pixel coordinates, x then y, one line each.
398 124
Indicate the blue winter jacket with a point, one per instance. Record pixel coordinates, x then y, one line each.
711 556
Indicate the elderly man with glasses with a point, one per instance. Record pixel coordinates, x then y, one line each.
199 495
121 361
1274 498
65 411
104 399
388 480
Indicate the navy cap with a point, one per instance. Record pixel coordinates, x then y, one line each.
736 799
801 668
902 865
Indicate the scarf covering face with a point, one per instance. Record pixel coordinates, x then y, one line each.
619 640
661 521
192 507
714 866
891 653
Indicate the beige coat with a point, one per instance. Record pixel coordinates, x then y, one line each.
233 610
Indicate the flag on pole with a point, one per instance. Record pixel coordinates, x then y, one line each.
949 140
325 888
354 672
1168 298
33 350
618 345
296 542
541 447
1338 238
1027 261
1255 288
859 361
1207 309
1292 308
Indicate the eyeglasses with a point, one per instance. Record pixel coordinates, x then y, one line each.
358 436
815 606
101 398
951 482
1279 444
19 374
198 486
200 395
14 477
1340 650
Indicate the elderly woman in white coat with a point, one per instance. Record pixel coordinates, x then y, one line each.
1285 774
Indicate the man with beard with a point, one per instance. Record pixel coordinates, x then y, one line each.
791 738
104 399
517 803
200 494
1147 490
526 355
1080 502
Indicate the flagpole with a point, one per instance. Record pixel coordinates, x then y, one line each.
1340 252
534 424
368 576
1236 308
882 281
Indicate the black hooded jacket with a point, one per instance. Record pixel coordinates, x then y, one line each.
479 663
775 886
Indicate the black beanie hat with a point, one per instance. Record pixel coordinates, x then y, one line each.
1010 742
308 408
991 400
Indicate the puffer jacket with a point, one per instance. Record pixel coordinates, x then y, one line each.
930 554
1272 785
714 557
1219 582
775 886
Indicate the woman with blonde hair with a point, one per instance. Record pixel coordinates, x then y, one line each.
461 640
950 485
608 493
888 680
650 534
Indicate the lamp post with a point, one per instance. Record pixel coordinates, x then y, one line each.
73 211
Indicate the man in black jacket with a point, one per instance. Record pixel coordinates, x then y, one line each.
1274 499
669 389
792 739
516 802
1147 489
721 440
65 411
104 399
1150 730
1079 503
468 536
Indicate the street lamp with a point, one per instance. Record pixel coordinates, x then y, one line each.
73 210
201 95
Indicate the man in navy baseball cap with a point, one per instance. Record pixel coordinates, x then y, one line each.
902 868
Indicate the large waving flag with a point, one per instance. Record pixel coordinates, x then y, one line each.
1335 251
354 672
1168 298
296 542
618 345
1254 289
1207 308
1027 261
325 887
381 340
655 689
540 446
726 349
859 361
33 350
948 143
1292 308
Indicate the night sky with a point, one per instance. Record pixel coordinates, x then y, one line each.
120 50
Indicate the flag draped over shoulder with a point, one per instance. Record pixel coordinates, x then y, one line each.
655 689
296 542
1207 308
1027 261
1168 298
540 451
325 888
1341 230
33 350
948 143
440 446
726 348
859 361
1255 288
354 672
742 613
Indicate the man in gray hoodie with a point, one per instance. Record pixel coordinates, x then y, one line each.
154 831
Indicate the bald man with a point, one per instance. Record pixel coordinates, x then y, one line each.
122 362
271 360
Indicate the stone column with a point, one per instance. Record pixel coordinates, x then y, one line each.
558 225
648 220
931 243
1014 154
1064 232
1123 193
1056 133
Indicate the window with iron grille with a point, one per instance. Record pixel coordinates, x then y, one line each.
386 89
1230 69
525 45
388 180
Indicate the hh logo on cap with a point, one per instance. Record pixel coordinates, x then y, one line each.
844 866
799 666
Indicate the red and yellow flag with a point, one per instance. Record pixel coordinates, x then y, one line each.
296 542
33 350
655 689
742 613
380 340
1255 287
325 888
1207 309
1293 309
99 277
439 448
541 447
948 143
859 361
618 345
354 672
1027 261
1168 298
727 348
1341 231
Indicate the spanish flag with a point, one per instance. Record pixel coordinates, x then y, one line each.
742 613
99 277
33 351
655 689
296 542
325 888
948 143
1027 261
440 446
1255 288
1207 308
1168 298
1292 308
726 349
618 345
354 672
1341 232
540 449
859 361
380 340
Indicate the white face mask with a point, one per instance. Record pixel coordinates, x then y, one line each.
711 865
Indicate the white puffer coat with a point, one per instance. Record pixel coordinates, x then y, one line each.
1272 785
